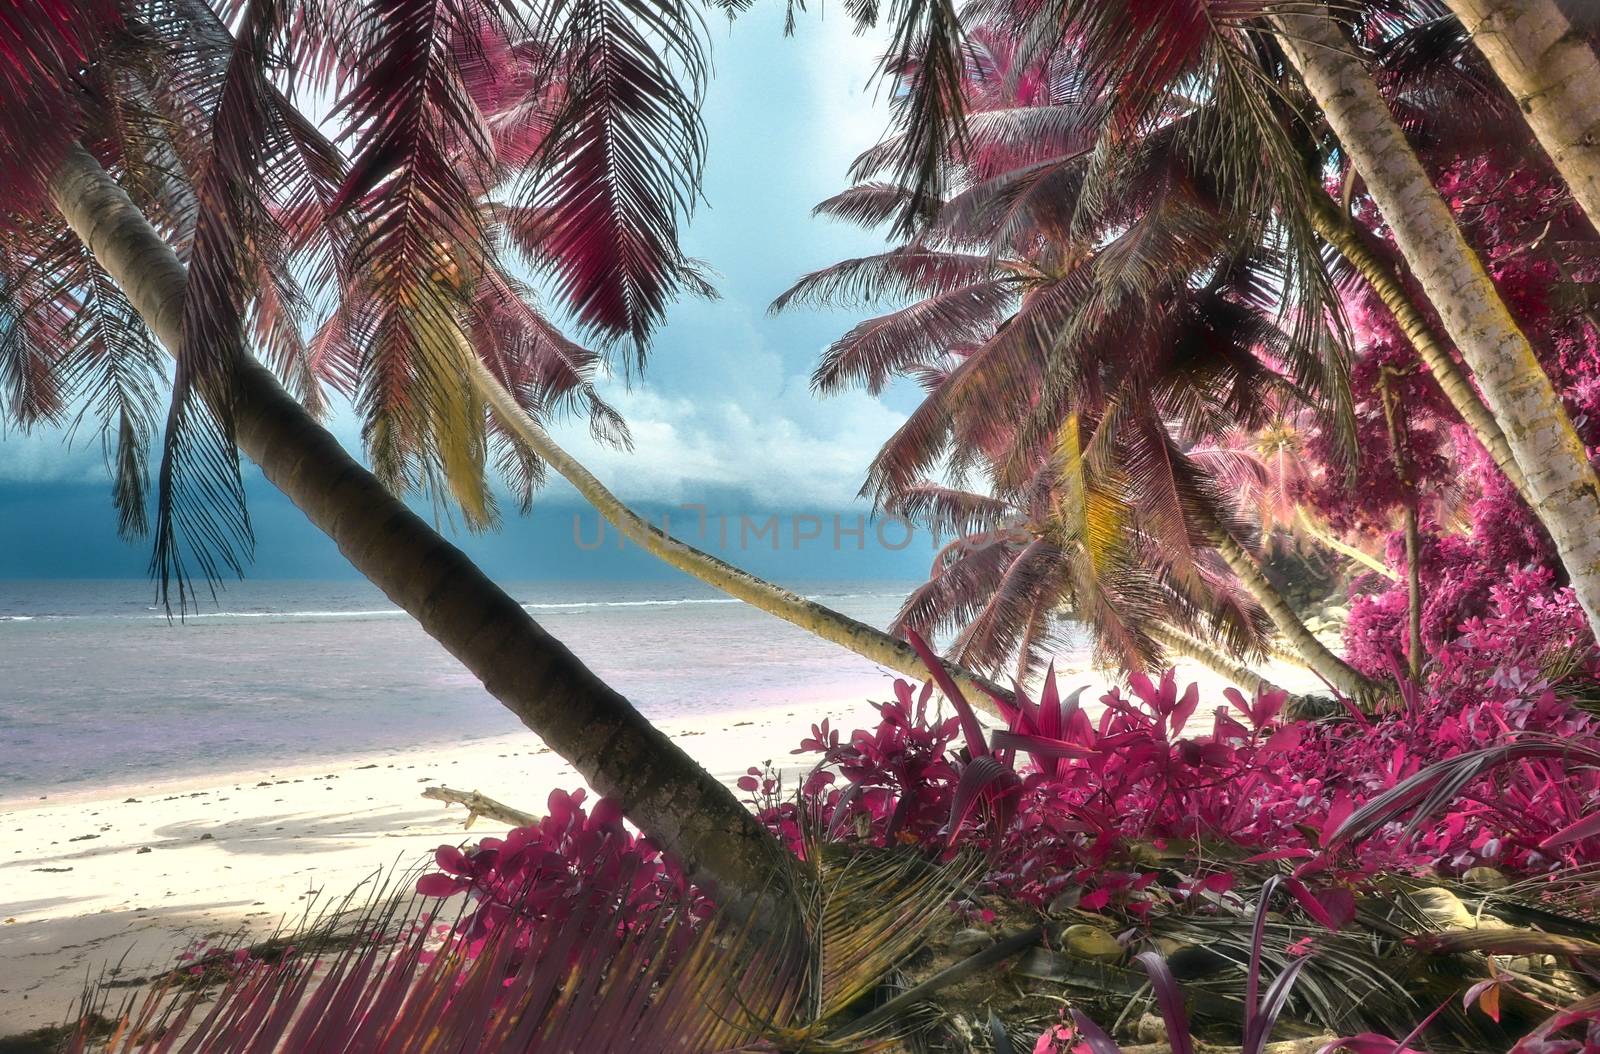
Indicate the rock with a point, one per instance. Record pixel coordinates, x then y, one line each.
1486 878
970 942
1091 942
1065 901
142 849
207 837
1445 910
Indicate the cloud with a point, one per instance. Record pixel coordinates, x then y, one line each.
44 455
749 423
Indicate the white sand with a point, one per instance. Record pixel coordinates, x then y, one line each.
79 891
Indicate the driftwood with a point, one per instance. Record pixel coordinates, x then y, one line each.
479 805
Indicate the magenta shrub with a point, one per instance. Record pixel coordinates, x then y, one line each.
1095 798
1066 804
543 873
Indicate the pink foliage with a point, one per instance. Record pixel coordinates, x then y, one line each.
540 874
1100 794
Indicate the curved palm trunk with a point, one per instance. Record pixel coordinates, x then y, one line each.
1554 74
617 751
1180 643
1316 655
1345 549
1341 232
836 627
1564 489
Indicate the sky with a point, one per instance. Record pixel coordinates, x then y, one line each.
723 416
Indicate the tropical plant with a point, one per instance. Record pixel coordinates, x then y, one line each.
229 213
575 943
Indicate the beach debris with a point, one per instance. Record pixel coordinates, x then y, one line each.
481 805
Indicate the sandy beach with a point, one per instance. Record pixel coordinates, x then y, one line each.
131 875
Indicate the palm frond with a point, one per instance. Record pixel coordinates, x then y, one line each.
865 204
910 270
200 506
41 51
928 58
422 147
620 165
876 350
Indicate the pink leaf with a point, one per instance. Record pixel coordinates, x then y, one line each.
437 885
1587 827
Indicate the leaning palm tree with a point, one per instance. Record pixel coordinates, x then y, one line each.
519 367
164 192
1561 481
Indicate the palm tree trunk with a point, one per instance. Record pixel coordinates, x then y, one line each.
1554 74
618 752
1408 487
1341 232
1316 655
1345 549
1179 643
1561 482
1413 595
833 626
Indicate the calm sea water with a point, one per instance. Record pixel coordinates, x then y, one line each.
97 687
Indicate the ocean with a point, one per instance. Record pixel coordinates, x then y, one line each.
98 688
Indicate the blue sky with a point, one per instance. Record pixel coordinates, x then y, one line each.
723 415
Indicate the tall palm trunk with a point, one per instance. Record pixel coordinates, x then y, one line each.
1561 482
1312 651
1341 232
1554 74
617 751
824 622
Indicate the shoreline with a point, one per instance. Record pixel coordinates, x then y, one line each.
124 876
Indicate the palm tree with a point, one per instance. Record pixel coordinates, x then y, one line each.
1359 250
1562 483
214 162
833 626
1142 307
519 367
1266 472
1228 56
1068 542
1550 67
